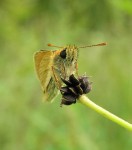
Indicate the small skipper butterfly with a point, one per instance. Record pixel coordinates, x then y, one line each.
51 66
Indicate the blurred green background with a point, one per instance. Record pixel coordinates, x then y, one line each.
26 123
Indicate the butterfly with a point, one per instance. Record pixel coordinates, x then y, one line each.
52 66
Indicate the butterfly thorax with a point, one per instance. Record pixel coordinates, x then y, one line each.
65 61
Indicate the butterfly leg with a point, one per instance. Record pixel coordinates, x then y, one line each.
56 79
76 66
63 71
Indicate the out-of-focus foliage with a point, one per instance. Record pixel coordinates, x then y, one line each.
27 26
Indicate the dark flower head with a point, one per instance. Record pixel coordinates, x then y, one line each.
74 88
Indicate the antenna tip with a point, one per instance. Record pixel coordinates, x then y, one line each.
49 44
102 44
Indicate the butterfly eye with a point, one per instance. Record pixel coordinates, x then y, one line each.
63 54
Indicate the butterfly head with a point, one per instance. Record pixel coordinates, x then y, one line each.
69 54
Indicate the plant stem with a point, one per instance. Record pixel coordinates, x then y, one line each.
86 101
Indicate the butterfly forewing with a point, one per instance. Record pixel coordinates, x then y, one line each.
43 62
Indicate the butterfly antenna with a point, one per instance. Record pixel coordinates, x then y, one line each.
100 44
51 45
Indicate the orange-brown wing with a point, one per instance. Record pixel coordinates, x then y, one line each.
43 62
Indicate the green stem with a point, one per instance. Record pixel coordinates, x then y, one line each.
86 101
